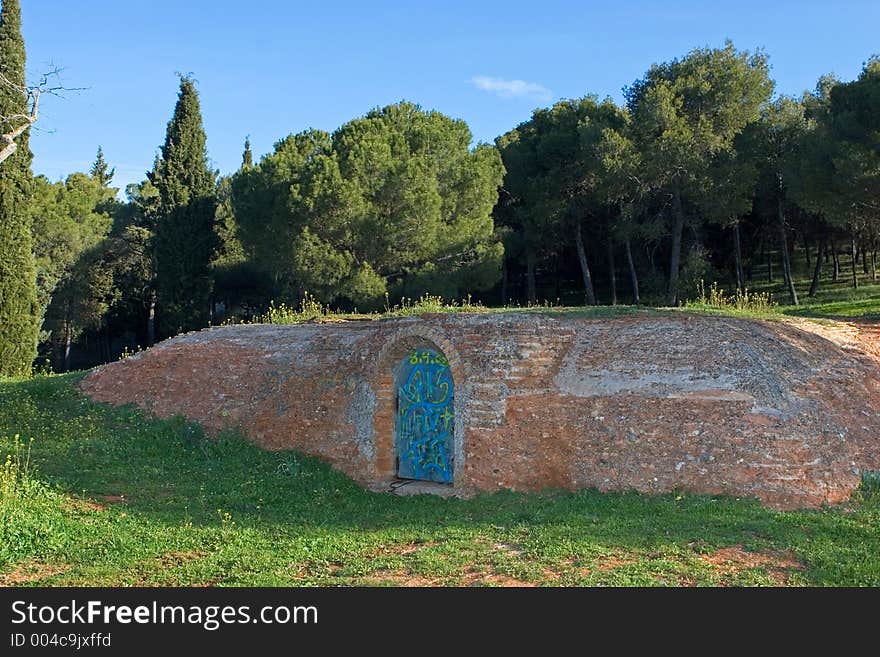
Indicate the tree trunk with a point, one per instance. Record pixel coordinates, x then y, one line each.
589 293
738 262
864 252
67 342
151 320
874 266
634 279
807 251
817 272
675 258
786 262
855 275
556 277
504 281
56 355
531 291
613 273
836 271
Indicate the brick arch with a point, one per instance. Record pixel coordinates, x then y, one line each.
397 346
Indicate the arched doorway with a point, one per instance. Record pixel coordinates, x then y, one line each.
424 424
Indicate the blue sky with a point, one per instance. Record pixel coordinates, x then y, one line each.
266 68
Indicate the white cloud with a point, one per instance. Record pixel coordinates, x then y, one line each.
511 88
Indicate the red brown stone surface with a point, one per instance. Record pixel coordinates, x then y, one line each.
788 412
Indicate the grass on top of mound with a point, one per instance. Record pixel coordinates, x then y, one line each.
765 301
100 495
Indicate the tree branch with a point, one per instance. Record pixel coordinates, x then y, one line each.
15 125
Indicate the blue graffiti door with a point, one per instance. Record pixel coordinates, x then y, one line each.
424 423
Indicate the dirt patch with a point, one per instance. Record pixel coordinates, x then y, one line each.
851 334
612 562
551 575
80 504
733 560
402 549
172 559
400 578
471 578
114 499
409 548
147 570
495 579
31 571
604 564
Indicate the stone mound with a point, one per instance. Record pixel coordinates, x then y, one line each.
786 411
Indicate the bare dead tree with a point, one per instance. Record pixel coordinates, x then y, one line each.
15 125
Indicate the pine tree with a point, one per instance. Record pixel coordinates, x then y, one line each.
101 171
184 236
19 310
247 158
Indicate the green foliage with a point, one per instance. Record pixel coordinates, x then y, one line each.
431 304
185 240
127 254
237 284
559 169
686 117
101 172
395 200
19 306
716 298
69 218
261 200
695 268
310 309
870 485
840 168
853 123
687 111
30 512
229 249
568 167
247 157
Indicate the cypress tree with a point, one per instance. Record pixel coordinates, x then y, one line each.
184 236
247 157
19 310
101 171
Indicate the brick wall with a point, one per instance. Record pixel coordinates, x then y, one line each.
788 413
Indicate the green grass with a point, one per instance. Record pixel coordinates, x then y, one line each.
112 497
763 300
832 301
310 310
841 302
